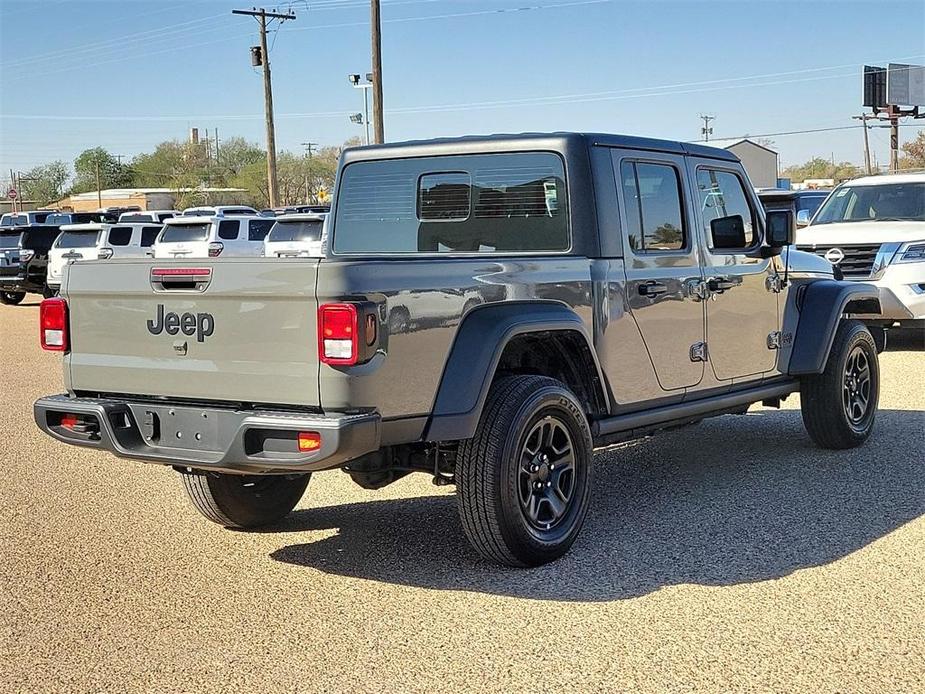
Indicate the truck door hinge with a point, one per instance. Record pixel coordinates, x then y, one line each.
699 351
774 283
697 290
775 339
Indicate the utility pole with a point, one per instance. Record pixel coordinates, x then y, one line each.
375 29
99 190
309 147
262 15
893 115
706 130
864 118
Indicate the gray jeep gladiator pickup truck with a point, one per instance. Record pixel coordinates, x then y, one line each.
488 310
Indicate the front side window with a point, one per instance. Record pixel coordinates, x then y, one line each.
228 230
120 236
258 229
487 203
727 217
149 235
652 195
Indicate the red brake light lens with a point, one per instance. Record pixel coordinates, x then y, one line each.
309 441
338 334
53 325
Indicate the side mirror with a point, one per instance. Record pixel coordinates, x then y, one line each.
780 228
803 218
728 232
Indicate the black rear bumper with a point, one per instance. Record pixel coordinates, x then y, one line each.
208 438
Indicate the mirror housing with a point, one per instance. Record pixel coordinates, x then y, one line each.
728 232
803 218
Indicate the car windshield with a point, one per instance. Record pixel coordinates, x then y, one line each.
887 202
296 231
8 240
180 233
77 239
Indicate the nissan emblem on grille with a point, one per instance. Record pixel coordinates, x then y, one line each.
834 255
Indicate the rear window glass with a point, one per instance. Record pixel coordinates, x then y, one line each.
135 218
9 240
149 234
120 236
489 203
77 239
13 220
179 233
296 231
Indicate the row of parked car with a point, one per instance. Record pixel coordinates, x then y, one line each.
36 246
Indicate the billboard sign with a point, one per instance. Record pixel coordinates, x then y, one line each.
905 85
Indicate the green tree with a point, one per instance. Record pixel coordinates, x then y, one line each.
98 162
45 183
914 151
817 167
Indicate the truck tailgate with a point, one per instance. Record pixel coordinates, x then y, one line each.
241 330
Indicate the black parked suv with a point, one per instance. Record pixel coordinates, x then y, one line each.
24 261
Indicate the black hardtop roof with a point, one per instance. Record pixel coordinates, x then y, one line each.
781 194
556 141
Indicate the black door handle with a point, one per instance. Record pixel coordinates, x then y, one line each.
721 284
652 289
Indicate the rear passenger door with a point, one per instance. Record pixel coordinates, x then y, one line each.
742 313
662 264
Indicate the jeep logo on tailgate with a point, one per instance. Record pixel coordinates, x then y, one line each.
200 324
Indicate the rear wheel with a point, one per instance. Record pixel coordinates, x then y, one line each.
524 479
11 298
244 501
839 405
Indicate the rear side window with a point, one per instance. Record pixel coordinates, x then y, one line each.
652 195
489 203
722 198
257 229
228 230
120 236
40 217
148 235
166 215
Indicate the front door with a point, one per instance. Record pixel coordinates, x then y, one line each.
662 264
742 312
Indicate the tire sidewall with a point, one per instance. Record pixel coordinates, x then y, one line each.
547 400
858 335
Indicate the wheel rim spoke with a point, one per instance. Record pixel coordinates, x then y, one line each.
546 474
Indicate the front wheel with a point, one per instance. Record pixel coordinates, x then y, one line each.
524 479
11 298
839 405
244 501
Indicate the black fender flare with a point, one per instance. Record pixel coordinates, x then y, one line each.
822 305
480 341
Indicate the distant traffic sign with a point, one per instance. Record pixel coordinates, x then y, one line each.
11 194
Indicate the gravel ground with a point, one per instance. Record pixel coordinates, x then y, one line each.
732 555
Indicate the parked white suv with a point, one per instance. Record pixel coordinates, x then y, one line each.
872 229
97 241
211 237
159 216
295 236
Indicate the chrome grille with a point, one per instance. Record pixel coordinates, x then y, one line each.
858 262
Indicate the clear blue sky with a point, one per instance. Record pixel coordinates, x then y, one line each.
126 75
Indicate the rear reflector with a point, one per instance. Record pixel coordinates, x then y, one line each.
309 441
53 325
338 334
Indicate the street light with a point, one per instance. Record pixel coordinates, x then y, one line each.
357 117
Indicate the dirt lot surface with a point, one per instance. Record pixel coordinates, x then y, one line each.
732 555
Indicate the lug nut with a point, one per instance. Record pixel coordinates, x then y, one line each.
549 484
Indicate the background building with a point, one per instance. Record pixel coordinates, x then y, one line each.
760 162
150 198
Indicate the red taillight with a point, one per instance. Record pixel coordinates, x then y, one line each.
338 334
69 421
53 324
309 441
181 272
